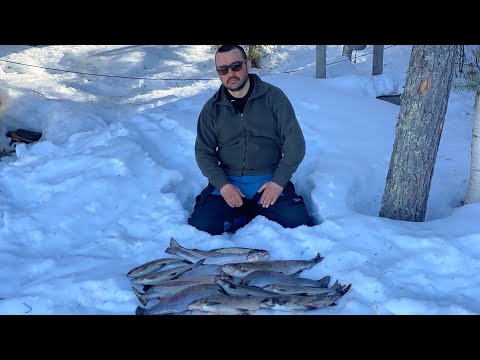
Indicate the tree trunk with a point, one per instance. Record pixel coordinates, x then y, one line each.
418 132
473 192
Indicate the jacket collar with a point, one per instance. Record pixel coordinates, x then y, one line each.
260 87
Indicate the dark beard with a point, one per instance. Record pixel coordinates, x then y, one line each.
242 85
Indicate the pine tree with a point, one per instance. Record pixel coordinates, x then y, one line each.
418 131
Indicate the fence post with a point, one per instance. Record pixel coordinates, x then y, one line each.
377 63
321 61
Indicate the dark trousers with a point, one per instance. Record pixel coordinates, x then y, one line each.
213 215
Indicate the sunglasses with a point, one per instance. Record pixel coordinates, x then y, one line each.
235 66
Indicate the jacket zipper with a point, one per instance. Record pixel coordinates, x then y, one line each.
242 119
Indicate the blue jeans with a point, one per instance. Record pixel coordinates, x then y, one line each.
249 185
213 215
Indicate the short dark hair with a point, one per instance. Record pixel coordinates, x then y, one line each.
227 48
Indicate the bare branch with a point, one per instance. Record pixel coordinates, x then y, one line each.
26 312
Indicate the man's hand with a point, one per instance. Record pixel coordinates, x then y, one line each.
232 195
271 192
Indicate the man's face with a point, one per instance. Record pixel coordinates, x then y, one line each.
232 80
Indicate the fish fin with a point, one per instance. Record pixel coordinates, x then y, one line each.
243 311
140 311
174 243
198 263
333 304
222 291
310 307
170 250
296 272
139 296
323 282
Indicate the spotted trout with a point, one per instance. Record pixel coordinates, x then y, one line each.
217 256
287 267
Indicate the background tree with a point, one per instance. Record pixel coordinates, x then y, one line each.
473 84
418 132
257 52
254 52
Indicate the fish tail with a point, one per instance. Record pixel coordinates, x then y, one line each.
318 258
140 311
336 285
139 296
344 291
170 250
174 247
340 289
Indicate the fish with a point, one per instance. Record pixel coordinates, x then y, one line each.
227 305
298 290
305 303
287 267
217 256
171 287
261 278
179 302
153 266
157 277
208 269
241 290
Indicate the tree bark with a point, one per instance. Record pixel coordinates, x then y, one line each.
473 192
418 132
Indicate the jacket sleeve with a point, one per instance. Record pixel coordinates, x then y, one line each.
206 148
291 135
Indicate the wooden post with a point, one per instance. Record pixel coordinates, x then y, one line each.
347 51
377 64
321 61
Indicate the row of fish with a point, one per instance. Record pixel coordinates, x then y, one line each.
229 281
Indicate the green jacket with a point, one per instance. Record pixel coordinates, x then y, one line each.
252 143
